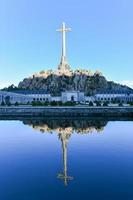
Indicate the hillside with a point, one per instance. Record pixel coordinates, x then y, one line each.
82 80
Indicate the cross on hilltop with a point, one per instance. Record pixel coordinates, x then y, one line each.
63 66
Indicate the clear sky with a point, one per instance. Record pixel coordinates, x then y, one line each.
101 37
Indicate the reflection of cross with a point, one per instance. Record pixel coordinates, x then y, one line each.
63 64
64 176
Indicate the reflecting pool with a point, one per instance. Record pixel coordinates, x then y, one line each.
84 158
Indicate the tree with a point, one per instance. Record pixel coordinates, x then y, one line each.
39 103
69 103
54 103
33 103
10 88
16 103
91 103
60 103
131 103
98 103
120 104
105 103
98 73
3 103
46 103
7 100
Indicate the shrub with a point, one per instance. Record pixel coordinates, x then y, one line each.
36 103
98 103
118 101
54 103
114 101
91 103
16 104
120 104
60 103
3 103
69 103
46 103
131 103
105 103
7 100
39 103
33 103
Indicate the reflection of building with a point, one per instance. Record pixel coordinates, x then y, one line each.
64 136
64 128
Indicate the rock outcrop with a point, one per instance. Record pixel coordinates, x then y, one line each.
82 80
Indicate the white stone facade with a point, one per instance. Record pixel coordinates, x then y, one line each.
114 97
90 98
74 96
13 97
57 98
39 97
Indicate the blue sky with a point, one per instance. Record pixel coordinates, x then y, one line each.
101 37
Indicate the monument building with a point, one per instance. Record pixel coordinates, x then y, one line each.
63 67
28 96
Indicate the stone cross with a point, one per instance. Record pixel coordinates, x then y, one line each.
63 64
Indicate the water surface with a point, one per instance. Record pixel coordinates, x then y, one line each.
66 159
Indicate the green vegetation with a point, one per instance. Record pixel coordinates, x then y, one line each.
98 103
91 103
120 104
7 101
11 88
69 103
9 104
106 103
16 104
36 103
81 80
3 103
53 103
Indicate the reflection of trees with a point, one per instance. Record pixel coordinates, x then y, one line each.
80 126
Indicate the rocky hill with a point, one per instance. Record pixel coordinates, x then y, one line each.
82 80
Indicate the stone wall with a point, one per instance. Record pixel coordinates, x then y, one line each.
66 111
